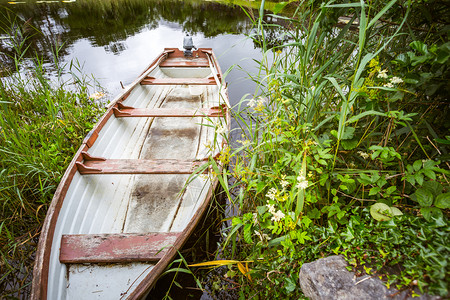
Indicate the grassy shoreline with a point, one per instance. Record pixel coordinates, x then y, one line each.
42 125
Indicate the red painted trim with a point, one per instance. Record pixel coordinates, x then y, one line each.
169 112
115 248
178 81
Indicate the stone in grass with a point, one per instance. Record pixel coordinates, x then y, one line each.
328 278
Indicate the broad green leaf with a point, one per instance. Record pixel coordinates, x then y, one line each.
366 59
391 189
276 241
442 141
396 212
381 212
290 285
429 173
443 201
235 221
419 46
306 221
248 233
279 7
430 213
349 144
336 86
419 178
375 190
348 133
410 169
424 197
261 209
364 179
364 114
314 213
260 186
177 270
411 179
433 186
417 165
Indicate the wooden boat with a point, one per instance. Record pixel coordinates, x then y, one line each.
128 199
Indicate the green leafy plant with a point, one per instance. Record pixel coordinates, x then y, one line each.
330 150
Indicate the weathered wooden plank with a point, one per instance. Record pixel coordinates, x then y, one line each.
137 166
120 247
179 81
183 62
169 112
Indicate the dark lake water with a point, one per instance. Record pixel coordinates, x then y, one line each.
114 40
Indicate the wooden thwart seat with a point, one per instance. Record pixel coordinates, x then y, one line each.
180 81
115 248
99 165
182 62
122 111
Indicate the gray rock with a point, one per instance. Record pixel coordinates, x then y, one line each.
327 278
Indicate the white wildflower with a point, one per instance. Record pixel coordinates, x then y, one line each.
261 101
363 154
272 193
220 129
382 74
262 236
301 177
260 104
395 80
271 208
97 95
252 102
389 85
277 216
284 183
255 217
301 185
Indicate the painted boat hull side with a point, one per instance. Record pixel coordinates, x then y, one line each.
135 203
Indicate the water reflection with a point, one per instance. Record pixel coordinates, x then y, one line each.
115 39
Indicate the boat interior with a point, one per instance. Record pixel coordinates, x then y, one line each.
135 182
